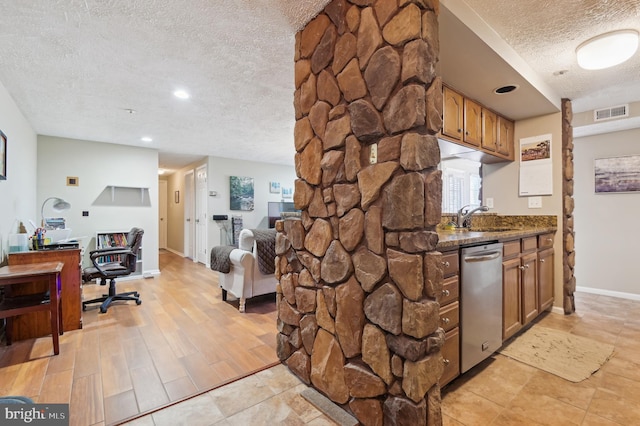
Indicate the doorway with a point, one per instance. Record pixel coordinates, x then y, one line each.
189 229
162 214
201 214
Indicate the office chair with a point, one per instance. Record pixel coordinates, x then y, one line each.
126 265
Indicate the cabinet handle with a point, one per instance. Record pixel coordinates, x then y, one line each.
521 268
446 320
445 293
446 264
549 239
446 361
541 260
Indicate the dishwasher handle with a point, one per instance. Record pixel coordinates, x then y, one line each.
483 257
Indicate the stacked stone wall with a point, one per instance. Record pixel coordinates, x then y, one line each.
359 277
568 234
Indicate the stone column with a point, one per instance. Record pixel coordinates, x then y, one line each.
568 234
360 279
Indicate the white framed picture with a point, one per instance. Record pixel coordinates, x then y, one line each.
274 187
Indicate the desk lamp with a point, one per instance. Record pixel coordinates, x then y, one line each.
58 205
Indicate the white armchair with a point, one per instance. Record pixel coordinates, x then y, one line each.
247 277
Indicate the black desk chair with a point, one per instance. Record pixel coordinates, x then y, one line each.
125 264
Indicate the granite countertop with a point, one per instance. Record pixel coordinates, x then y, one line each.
453 239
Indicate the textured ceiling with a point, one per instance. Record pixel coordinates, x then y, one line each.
545 33
74 67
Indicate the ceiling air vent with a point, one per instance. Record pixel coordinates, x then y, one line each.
612 112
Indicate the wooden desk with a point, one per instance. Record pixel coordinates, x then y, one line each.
25 274
36 324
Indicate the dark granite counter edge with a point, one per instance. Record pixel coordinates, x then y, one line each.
449 240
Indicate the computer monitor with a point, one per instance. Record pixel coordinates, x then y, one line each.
274 210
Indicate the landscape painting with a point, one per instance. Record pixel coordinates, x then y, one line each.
241 193
617 174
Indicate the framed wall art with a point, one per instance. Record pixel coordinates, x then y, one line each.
241 193
3 156
274 187
617 174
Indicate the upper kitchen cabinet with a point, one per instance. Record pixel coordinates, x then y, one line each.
452 114
489 130
472 123
505 142
467 123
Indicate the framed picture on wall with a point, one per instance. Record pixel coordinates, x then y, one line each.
3 156
617 174
274 187
241 193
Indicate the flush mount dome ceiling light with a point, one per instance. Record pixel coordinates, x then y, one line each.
607 50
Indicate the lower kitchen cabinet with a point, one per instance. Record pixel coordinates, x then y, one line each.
511 307
529 270
545 279
450 316
451 356
527 282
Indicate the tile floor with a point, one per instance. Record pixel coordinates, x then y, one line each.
499 391
270 397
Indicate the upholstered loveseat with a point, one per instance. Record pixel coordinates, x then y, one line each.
251 270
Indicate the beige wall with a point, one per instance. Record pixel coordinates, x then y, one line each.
18 191
500 182
606 225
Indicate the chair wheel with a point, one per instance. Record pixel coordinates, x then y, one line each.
103 310
138 302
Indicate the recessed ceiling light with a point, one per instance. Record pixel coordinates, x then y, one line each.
505 89
146 139
607 50
181 94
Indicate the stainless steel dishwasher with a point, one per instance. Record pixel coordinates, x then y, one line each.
480 303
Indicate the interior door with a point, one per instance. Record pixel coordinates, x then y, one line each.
162 214
189 219
201 214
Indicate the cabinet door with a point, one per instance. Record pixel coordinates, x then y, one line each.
545 279
504 143
489 130
451 356
529 287
511 306
472 123
452 114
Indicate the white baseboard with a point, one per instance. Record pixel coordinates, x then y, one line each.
619 294
151 273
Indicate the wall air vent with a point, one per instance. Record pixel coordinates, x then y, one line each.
619 111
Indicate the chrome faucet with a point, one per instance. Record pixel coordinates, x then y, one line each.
464 213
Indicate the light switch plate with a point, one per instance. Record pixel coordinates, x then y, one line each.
489 202
535 202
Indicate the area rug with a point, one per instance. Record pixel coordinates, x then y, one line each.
566 355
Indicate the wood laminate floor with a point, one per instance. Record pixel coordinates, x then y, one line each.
182 340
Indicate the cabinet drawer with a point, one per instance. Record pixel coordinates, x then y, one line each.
450 263
451 356
450 290
510 249
545 241
450 316
529 244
